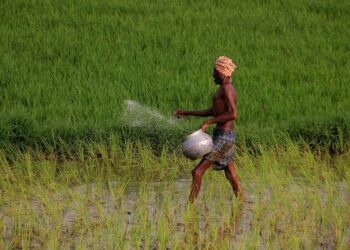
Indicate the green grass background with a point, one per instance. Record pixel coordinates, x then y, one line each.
67 66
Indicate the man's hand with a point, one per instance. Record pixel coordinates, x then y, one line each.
179 113
204 126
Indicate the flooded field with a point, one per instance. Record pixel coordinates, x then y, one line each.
294 200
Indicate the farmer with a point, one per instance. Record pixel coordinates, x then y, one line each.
224 113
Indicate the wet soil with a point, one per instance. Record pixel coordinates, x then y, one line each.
102 200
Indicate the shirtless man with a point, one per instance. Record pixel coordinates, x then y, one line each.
224 113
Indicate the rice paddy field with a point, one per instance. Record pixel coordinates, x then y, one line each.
68 66
90 155
137 200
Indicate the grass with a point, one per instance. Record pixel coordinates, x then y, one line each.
132 198
66 67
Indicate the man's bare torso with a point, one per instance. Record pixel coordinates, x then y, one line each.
220 106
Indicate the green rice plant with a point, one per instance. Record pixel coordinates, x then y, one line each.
68 68
294 199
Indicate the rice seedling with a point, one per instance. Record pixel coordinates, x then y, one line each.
294 199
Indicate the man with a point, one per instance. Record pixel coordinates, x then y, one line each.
224 113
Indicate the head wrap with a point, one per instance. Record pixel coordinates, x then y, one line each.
224 65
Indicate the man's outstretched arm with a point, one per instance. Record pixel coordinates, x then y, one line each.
202 113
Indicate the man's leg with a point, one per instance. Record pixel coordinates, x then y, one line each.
197 174
231 175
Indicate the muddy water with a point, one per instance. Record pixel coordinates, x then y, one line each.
159 192
176 192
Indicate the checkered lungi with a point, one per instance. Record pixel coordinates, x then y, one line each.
222 151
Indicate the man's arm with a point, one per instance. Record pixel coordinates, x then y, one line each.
202 113
231 113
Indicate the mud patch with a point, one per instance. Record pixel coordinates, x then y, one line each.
95 205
